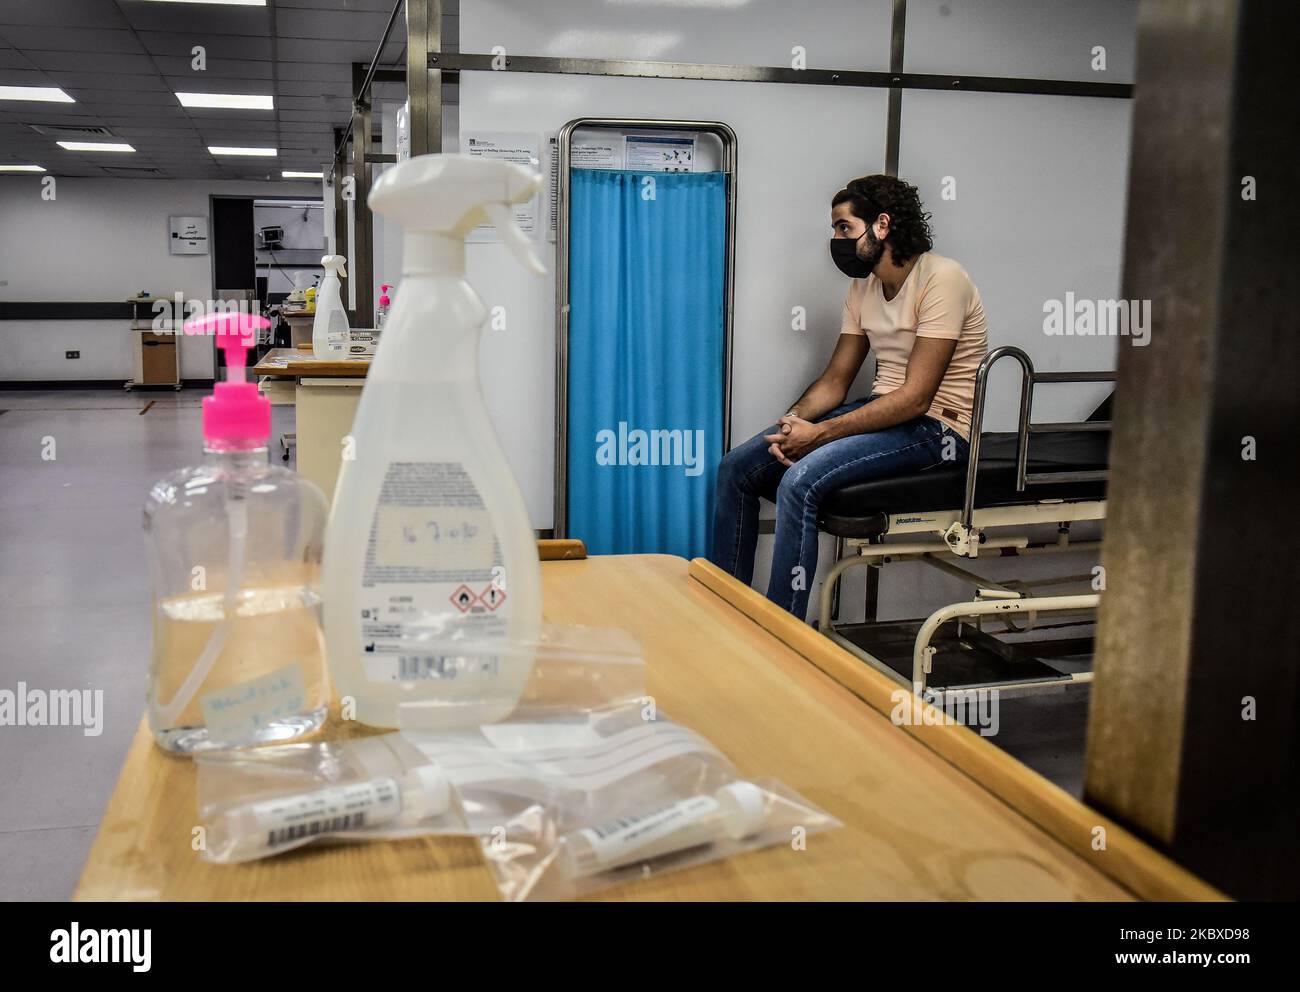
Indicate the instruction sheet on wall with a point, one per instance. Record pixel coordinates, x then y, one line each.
586 151
519 147
660 153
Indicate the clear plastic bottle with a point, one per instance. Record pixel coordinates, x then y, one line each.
431 581
329 328
238 656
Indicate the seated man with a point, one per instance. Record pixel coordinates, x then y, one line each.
921 315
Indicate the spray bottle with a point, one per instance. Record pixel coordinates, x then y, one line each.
238 657
431 583
329 330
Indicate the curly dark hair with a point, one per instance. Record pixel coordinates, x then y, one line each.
909 225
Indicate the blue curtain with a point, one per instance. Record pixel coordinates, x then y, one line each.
646 263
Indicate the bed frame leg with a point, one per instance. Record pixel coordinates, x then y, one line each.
839 554
872 605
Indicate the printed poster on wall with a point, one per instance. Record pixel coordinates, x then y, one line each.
189 235
586 151
659 153
519 147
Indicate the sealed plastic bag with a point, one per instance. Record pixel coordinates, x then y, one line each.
565 804
260 802
449 674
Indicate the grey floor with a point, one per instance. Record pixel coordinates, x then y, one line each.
74 604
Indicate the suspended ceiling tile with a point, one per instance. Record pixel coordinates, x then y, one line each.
58 13
91 81
181 67
99 62
198 19
317 71
300 50
23 76
326 5
72 39
338 25
210 82
217 46
104 101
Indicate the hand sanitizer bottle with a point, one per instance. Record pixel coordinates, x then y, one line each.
238 656
329 330
385 303
431 584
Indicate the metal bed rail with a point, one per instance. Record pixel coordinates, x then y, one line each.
1028 379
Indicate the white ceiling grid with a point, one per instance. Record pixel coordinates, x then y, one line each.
124 60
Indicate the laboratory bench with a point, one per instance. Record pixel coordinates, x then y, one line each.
930 810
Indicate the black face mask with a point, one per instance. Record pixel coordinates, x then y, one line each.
844 253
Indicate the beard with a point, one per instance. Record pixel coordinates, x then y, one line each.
872 251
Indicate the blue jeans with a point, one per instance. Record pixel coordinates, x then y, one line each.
749 472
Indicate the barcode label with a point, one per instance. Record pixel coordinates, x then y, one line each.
614 826
446 666
426 667
650 834
286 819
334 824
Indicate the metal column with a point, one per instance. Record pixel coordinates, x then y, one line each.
1194 731
363 264
423 77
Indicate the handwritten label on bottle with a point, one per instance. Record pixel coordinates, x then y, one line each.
238 712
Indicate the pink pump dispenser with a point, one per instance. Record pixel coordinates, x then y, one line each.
235 545
235 417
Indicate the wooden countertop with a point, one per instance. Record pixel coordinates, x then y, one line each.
298 362
915 825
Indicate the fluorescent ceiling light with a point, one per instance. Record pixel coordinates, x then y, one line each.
226 101
22 168
290 174
235 150
226 3
95 146
43 94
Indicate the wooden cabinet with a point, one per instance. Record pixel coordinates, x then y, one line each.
156 345
159 362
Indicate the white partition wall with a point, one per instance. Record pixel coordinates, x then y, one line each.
797 146
1027 39
1035 189
833 34
1039 180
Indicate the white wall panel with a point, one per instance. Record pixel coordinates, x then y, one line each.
797 146
1040 187
101 240
835 34
1041 39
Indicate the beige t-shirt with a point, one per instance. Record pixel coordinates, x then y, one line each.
936 300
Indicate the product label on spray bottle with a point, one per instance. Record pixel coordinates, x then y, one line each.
336 331
433 578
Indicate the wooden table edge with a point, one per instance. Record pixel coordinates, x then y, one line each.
320 369
1126 858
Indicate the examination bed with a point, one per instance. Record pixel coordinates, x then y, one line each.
1047 473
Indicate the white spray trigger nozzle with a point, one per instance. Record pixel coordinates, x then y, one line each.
337 263
502 218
